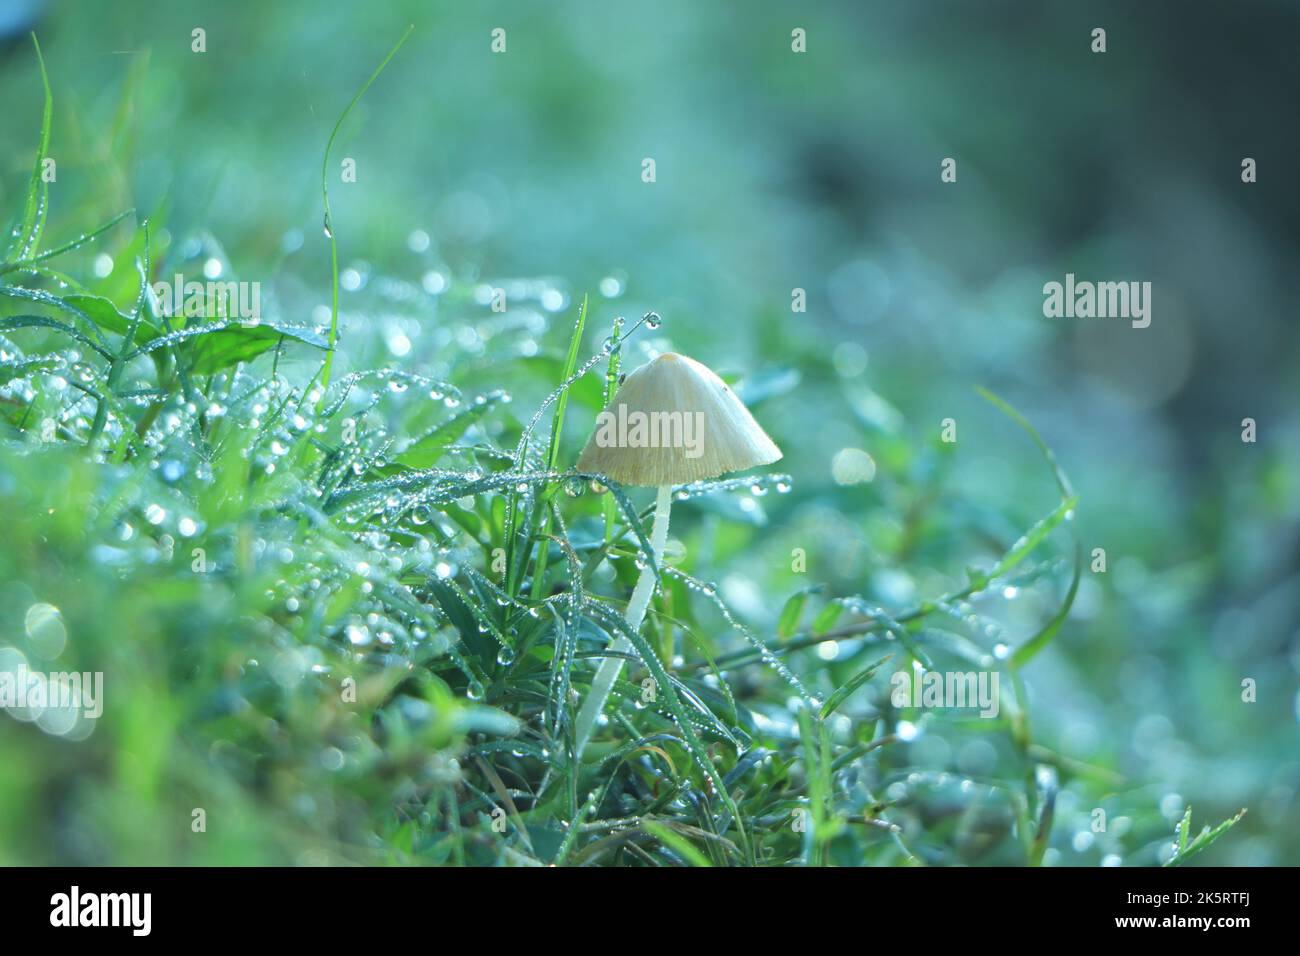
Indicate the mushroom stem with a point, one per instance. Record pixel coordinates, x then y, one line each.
636 608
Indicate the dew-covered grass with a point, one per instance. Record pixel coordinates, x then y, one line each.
348 594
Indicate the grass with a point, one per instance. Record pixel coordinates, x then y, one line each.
351 619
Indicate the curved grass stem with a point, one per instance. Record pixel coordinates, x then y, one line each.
636 608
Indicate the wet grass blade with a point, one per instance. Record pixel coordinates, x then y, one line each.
553 451
1032 538
1031 648
1187 850
562 403
788 621
27 234
329 225
69 246
693 745
39 321
675 842
857 680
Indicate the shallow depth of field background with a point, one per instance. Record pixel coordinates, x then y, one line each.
776 171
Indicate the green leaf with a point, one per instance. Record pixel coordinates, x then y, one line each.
815 741
1027 651
827 617
69 246
223 348
1203 840
676 842
27 235
43 298
425 451
895 627
788 621
105 314
693 745
43 322
1032 538
325 196
461 617
12 370
570 365
857 680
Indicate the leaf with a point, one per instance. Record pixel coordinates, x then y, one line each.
827 617
235 343
857 680
897 628
12 370
676 842
42 322
41 297
479 718
567 625
1033 538
329 225
1027 651
708 719
424 451
461 618
1062 481
815 748
788 621
76 243
570 364
105 314
27 235
1203 840
693 745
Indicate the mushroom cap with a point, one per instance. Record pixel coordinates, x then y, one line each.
712 432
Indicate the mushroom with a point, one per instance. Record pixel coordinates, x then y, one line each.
673 421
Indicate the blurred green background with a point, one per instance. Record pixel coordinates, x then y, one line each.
775 171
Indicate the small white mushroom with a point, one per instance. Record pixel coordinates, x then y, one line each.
672 422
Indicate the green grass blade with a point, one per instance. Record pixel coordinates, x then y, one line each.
1206 837
553 451
676 842
329 225
570 366
857 680
1032 538
69 246
1027 651
27 235
1062 481
788 620
691 740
